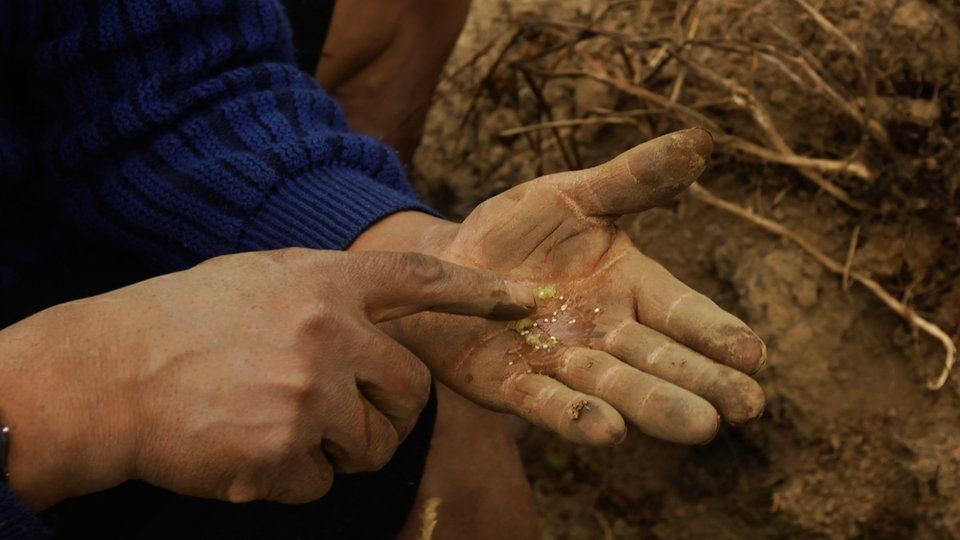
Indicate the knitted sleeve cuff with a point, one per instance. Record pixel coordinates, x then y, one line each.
328 210
17 522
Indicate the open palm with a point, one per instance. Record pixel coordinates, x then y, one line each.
621 339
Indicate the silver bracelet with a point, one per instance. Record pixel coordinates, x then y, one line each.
4 449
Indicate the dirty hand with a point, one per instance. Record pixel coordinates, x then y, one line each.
632 342
250 376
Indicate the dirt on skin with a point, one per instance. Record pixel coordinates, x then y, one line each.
852 444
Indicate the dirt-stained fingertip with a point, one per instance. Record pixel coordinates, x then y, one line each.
744 402
702 139
735 345
712 435
593 422
669 164
523 296
762 360
676 415
753 353
517 303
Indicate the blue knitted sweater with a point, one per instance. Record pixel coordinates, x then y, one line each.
177 129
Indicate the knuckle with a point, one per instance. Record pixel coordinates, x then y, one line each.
301 490
307 320
422 268
380 453
273 451
420 383
376 452
299 382
321 485
320 315
281 446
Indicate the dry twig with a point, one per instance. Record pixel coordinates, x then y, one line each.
545 108
613 119
831 29
904 311
850 254
785 154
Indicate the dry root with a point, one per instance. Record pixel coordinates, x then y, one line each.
844 270
634 63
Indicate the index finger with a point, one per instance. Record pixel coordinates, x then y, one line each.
393 285
640 178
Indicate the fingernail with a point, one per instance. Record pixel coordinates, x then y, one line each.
623 436
753 353
524 296
713 436
703 141
521 304
763 356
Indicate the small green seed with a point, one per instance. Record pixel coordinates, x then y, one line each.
556 462
548 291
520 326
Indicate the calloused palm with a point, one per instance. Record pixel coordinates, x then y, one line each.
633 342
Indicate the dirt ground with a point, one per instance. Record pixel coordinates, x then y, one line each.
853 444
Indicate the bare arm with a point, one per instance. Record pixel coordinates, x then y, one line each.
250 376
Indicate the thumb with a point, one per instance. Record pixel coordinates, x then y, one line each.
394 285
640 178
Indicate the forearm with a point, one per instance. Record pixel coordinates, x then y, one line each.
65 439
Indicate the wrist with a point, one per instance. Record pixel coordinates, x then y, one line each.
65 433
407 232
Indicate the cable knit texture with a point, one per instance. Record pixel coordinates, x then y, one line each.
178 129
17 522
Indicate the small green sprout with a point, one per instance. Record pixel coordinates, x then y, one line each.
520 326
551 342
556 462
548 291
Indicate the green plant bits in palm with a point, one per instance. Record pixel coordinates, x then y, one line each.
556 462
535 341
547 291
520 326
